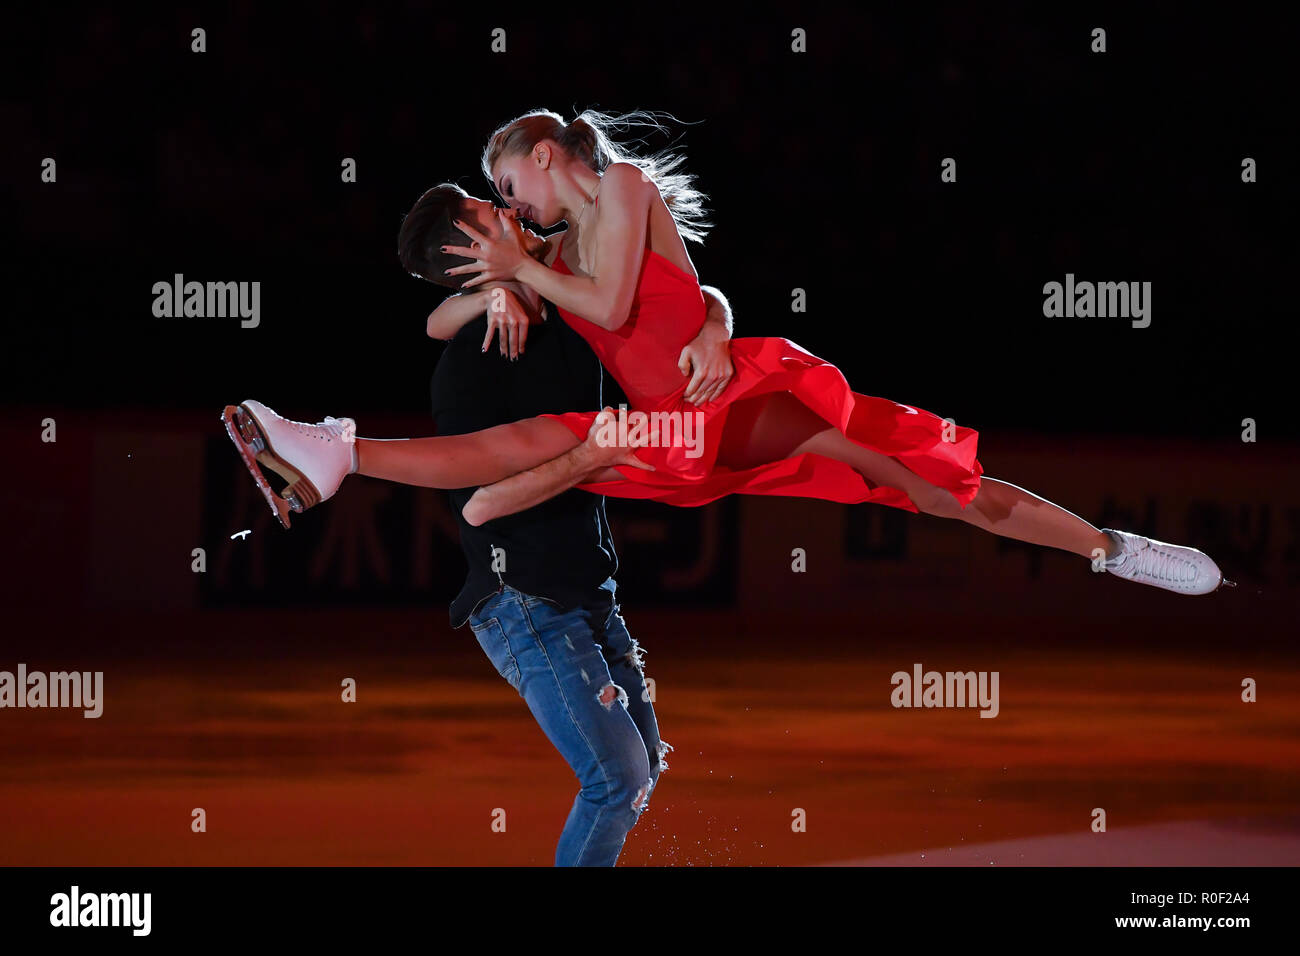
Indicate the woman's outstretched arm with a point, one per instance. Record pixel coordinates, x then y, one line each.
604 299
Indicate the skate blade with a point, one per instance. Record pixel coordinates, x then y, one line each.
254 448
300 493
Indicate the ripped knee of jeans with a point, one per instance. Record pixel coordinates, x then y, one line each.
662 748
610 693
642 798
636 657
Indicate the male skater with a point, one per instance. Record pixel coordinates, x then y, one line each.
540 591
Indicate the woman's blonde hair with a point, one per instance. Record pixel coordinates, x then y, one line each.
588 140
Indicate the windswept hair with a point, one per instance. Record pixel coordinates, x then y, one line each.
588 138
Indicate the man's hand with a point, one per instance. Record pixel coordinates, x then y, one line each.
593 460
707 359
601 452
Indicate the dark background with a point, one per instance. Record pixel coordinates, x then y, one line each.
822 171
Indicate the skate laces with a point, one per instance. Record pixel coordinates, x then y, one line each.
327 430
1161 565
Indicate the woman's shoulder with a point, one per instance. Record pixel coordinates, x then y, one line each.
624 176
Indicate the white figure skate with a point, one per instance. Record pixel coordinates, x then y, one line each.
314 459
1162 565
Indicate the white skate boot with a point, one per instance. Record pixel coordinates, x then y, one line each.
314 459
1169 566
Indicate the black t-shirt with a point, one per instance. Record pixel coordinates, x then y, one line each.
561 549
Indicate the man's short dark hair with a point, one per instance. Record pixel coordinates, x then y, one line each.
427 227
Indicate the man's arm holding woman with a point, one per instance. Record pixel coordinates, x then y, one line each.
706 357
591 460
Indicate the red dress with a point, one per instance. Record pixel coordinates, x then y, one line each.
642 355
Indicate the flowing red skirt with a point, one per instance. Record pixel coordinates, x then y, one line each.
940 452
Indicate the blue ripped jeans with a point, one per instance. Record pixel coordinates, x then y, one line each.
583 678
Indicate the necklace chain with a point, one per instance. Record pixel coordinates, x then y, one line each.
580 218
583 212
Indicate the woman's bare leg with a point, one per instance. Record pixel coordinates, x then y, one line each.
462 461
785 427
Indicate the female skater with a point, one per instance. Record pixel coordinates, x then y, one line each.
786 424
